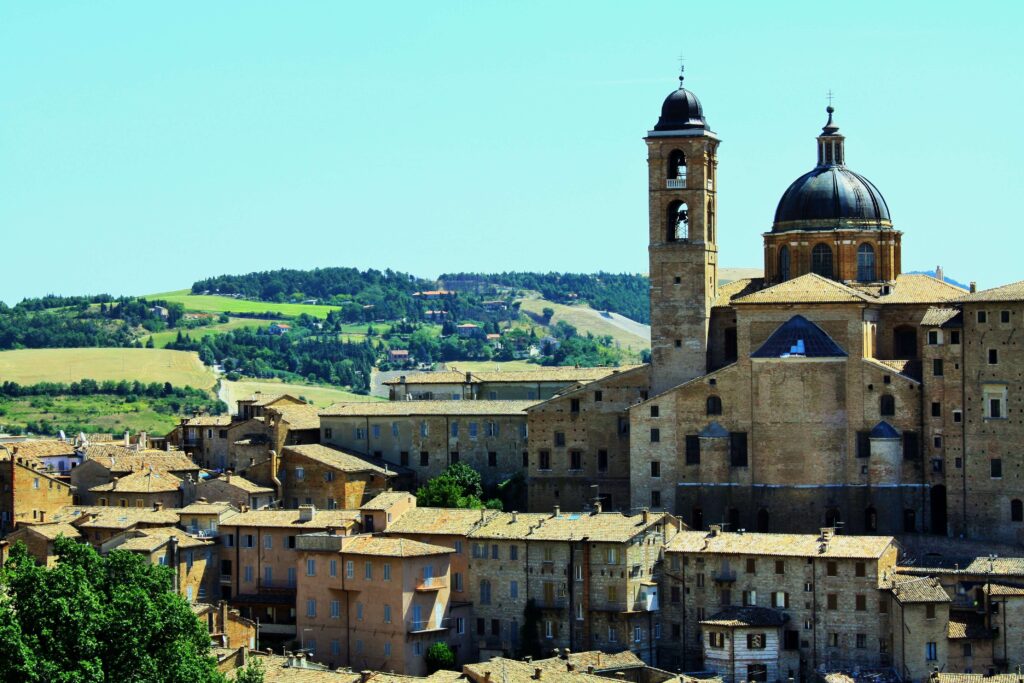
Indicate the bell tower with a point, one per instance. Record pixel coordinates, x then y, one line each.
682 156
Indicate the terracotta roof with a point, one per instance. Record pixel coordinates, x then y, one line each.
102 517
207 421
439 377
1002 566
206 508
279 669
911 369
550 374
911 288
384 501
974 678
1004 590
50 531
967 626
142 482
746 616
937 316
507 525
806 289
340 460
385 546
503 670
290 519
260 399
737 288
299 416
926 589
414 408
125 460
601 661
148 540
441 521
237 481
780 545
42 448
1011 292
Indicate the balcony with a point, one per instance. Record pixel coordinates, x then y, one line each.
429 626
608 606
435 583
225 578
675 183
551 603
724 576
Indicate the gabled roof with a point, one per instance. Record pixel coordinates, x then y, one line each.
129 461
207 421
746 616
799 337
1011 292
806 289
780 545
440 521
926 589
145 481
43 448
384 501
340 460
49 531
290 519
609 527
387 546
884 430
299 416
736 289
942 317
917 288
239 482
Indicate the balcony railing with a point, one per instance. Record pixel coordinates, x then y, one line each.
724 576
225 578
434 583
551 603
676 183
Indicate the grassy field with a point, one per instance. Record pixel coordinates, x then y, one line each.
99 413
586 319
30 366
318 396
226 304
162 339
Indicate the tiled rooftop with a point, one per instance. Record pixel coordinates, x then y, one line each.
386 546
207 421
736 289
925 589
146 481
780 545
343 461
120 459
916 288
937 316
384 501
290 519
425 408
441 521
241 483
299 416
41 448
1011 292
806 289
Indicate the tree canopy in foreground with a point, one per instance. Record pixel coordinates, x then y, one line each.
97 618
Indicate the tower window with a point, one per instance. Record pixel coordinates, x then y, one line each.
783 263
1016 510
711 221
677 169
678 221
821 260
887 406
714 405
866 263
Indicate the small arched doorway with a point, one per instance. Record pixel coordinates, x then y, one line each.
763 521
938 506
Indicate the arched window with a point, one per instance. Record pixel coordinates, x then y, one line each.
871 520
711 221
783 263
714 405
677 168
1016 510
763 523
866 263
678 221
821 260
887 405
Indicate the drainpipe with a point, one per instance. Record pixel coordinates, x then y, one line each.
963 427
278 487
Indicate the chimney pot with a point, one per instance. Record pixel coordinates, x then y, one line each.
528 659
515 515
537 671
158 506
646 515
558 511
590 669
974 287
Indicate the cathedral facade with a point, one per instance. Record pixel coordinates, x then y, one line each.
834 391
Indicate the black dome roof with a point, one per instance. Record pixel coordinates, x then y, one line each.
681 111
829 194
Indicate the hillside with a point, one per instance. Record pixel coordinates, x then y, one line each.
32 366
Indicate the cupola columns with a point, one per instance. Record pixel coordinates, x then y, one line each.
831 151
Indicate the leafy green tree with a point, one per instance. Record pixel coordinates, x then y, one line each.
440 656
459 486
94 619
252 672
546 314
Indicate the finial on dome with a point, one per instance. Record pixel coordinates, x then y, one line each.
830 127
682 70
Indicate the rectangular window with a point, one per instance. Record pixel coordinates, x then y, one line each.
954 336
655 469
861 603
982 317
544 460
993 356
387 614
247 573
457 581
933 337
513 552
291 576
359 611
602 460
780 566
350 569
655 435
931 651
472 430
833 601
751 565
559 439
911 445
860 569
738 449
424 458
574 405
311 567
996 468
513 589
780 599
368 570
335 609
268 575
936 409
376 431
311 607
1004 317
575 460
863 444
716 639
387 571
692 449
455 429
300 473
268 542
755 641
937 367
656 499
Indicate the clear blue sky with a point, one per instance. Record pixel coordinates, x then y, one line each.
144 145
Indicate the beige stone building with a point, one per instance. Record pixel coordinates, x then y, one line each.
493 385
28 493
103 463
375 602
236 490
424 437
330 478
768 607
144 489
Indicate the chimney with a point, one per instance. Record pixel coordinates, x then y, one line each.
227 476
939 275
222 611
537 671
558 511
365 675
469 377
158 506
569 666
243 508
566 655
306 513
826 534
528 659
974 287
42 515
515 516
590 669
143 441
487 676
597 506
127 439
714 529
646 515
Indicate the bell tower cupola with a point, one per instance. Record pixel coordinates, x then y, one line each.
682 159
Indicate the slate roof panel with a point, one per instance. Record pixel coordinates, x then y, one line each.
799 337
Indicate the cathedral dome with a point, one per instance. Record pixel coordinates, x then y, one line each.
831 196
681 111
